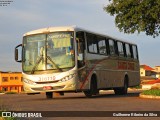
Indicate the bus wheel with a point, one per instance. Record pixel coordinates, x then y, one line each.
123 90
49 95
93 89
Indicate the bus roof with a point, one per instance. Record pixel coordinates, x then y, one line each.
50 29
71 28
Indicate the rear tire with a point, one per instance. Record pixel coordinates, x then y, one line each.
123 90
49 95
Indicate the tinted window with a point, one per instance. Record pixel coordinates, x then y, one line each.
102 45
128 51
120 49
92 43
111 47
135 54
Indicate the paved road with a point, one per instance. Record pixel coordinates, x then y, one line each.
106 101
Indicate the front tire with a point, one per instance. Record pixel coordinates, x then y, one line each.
93 89
49 95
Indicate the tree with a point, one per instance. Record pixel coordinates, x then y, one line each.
136 15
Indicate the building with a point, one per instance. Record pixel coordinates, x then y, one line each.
11 82
146 70
157 70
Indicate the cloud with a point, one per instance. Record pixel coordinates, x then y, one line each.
25 15
39 13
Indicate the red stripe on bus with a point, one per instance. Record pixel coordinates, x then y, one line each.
90 72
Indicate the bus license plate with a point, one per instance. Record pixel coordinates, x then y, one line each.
47 87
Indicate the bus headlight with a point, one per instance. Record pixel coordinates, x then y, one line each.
28 81
67 78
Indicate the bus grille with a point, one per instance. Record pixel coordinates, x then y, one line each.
47 82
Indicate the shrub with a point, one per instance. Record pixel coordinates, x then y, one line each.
1 91
137 87
154 92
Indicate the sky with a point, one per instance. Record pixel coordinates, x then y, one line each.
21 16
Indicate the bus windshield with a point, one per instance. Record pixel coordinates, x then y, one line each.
53 51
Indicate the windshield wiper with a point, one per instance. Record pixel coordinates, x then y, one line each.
37 63
54 63
39 60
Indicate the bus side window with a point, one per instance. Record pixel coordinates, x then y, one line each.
92 43
120 49
135 53
128 51
112 47
102 46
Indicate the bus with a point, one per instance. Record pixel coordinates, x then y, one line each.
72 59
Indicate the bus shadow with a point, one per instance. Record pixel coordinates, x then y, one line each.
117 96
82 96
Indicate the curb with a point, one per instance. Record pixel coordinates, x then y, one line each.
149 96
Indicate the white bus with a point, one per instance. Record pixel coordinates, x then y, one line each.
71 59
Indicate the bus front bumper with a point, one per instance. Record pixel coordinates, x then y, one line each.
54 87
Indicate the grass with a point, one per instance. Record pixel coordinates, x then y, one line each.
154 92
6 118
10 93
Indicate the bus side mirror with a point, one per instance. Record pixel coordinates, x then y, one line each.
17 50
